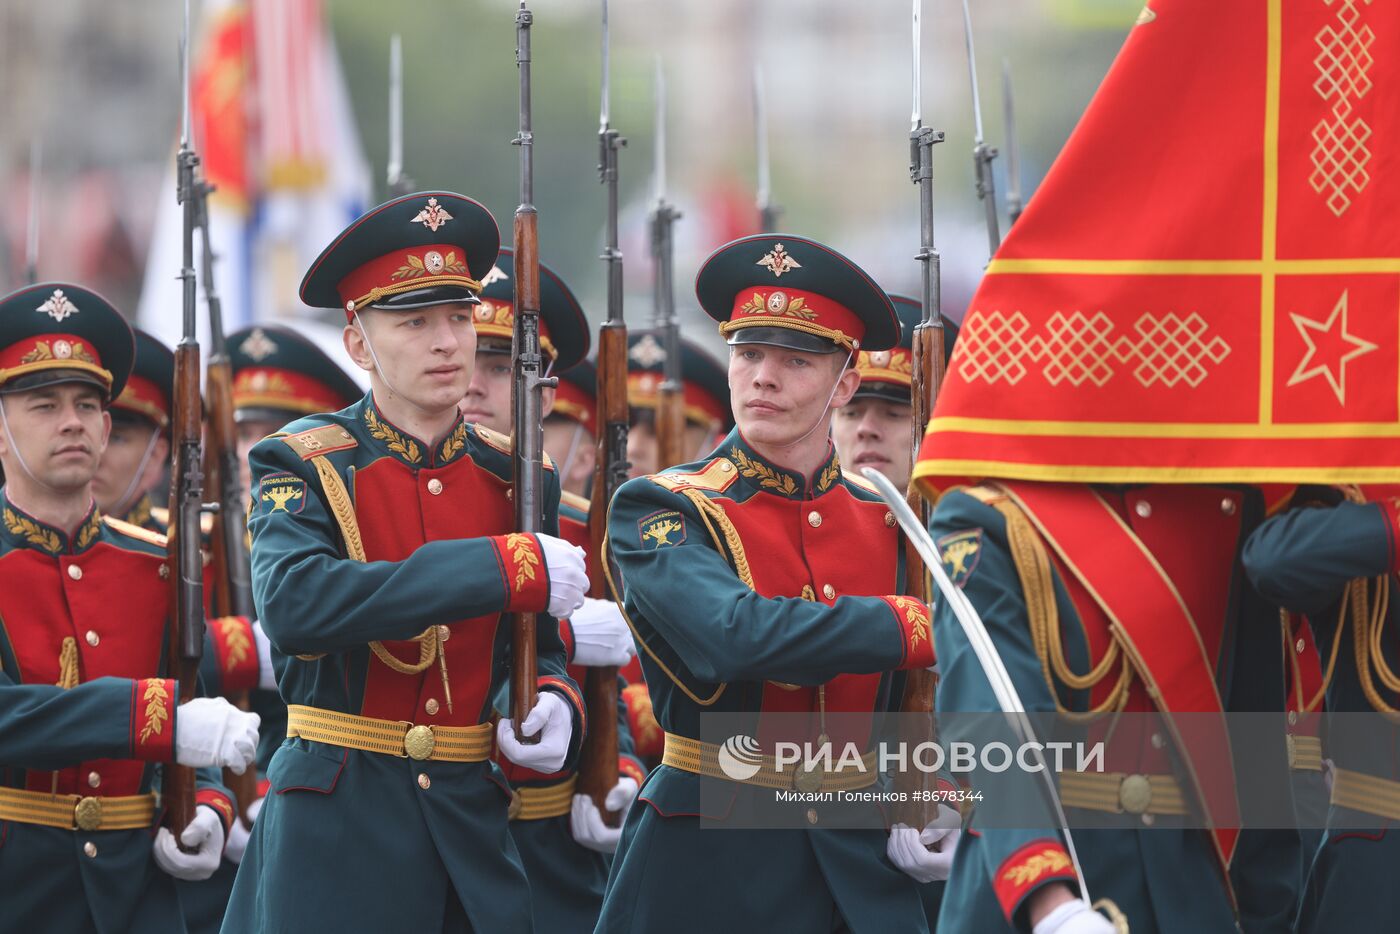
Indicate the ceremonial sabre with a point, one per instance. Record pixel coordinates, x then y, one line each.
981 641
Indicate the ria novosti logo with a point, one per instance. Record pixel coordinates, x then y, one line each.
740 757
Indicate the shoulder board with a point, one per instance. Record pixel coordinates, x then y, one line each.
135 531
573 499
716 477
855 479
988 496
494 439
317 441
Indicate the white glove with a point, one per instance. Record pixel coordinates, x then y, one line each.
601 636
238 834
1073 918
568 575
205 835
926 855
553 721
211 731
267 678
587 824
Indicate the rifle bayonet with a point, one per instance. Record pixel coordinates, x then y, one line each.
982 154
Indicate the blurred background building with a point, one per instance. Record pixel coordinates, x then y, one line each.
292 109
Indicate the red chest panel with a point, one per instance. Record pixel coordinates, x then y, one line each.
113 604
398 511
833 546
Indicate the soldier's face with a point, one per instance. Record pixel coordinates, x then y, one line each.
642 449
780 396
487 401
426 355
875 433
60 431
249 434
127 446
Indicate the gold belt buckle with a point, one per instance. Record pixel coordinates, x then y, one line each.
809 779
1135 794
418 742
87 813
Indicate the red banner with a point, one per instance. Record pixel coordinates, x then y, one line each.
1206 288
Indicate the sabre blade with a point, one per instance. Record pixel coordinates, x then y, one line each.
986 651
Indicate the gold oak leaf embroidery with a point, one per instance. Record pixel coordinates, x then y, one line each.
454 441
767 477
407 449
660 532
916 617
89 531
1044 862
522 554
156 698
36 536
41 351
412 270
279 496
828 477
236 638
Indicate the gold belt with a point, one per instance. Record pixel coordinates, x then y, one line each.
1304 752
1119 792
1358 791
691 755
538 802
391 737
75 812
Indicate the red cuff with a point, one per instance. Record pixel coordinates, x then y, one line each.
647 738
153 719
915 631
237 653
1027 869
571 694
523 572
221 804
1392 532
566 636
629 767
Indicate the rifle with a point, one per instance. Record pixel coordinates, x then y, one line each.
597 770
767 211
919 685
398 183
233 588
1013 150
31 240
982 154
186 641
528 382
670 409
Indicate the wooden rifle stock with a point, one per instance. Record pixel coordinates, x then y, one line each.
598 758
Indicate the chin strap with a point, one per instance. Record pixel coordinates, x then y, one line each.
19 456
123 505
568 460
364 332
826 409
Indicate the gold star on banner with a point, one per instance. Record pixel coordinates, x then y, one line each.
1306 328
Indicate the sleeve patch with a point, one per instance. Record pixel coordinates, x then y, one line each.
960 552
665 527
282 492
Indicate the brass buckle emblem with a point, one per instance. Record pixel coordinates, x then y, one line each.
809 778
87 813
1135 794
418 742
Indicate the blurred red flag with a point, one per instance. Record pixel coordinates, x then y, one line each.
1205 287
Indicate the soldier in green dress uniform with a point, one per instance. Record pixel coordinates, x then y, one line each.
736 574
86 710
385 560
